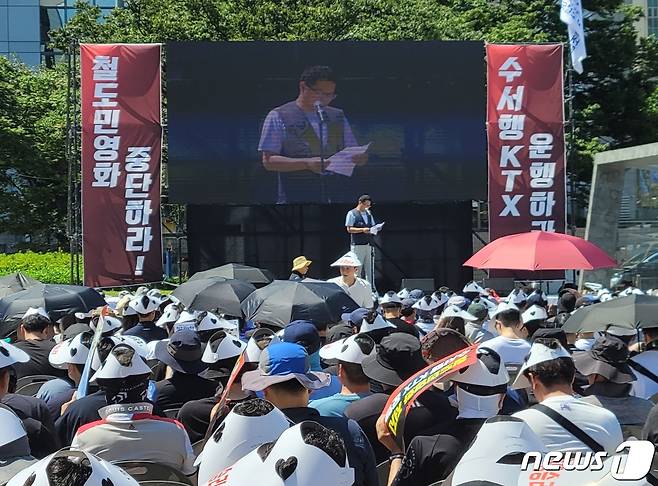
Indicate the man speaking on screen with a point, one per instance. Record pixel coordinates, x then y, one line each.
304 141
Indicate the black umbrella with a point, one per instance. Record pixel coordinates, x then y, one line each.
284 301
15 282
221 294
57 300
632 312
236 271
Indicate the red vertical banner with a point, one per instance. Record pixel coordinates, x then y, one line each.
526 147
121 151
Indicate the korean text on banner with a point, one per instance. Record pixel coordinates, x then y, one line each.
121 150
525 131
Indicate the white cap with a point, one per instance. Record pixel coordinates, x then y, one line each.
112 369
102 472
12 427
84 315
353 349
378 323
606 297
10 354
71 351
222 346
473 287
207 321
144 304
36 310
156 294
111 324
236 437
502 307
349 259
171 314
458 300
516 297
456 311
426 304
390 298
403 294
498 437
290 462
440 297
539 353
534 313
253 351
488 370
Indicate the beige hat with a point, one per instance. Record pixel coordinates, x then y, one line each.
300 262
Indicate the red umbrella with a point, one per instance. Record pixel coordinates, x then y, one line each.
539 250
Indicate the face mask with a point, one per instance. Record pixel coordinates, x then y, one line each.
476 406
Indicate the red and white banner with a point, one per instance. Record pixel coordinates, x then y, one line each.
525 129
121 150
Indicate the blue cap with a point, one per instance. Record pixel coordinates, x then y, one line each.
356 316
281 362
304 333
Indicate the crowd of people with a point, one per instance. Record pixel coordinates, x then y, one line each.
219 400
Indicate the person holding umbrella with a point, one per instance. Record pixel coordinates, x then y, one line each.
356 287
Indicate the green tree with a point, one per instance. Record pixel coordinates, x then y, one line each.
33 169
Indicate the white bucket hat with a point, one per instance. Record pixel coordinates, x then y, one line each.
111 324
36 310
112 369
10 354
458 300
456 311
102 472
144 304
502 307
12 427
403 294
534 313
290 462
539 353
237 436
390 298
488 370
440 297
516 297
171 314
222 346
473 287
258 338
353 349
426 304
349 259
84 315
207 321
71 351
378 323
499 437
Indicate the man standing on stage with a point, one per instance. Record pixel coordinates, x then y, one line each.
299 137
358 223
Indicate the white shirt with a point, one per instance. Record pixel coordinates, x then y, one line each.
511 350
600 424
645 387
360 291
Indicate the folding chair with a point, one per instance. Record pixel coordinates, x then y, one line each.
172 412
30 385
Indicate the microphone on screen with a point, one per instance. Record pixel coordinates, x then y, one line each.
321 113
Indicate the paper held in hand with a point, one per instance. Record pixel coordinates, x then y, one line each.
343 162
377 228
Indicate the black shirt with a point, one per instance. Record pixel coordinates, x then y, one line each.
38 423
359 451
432 458
38 349
431 414
402 326
79 413
182 388
148 331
